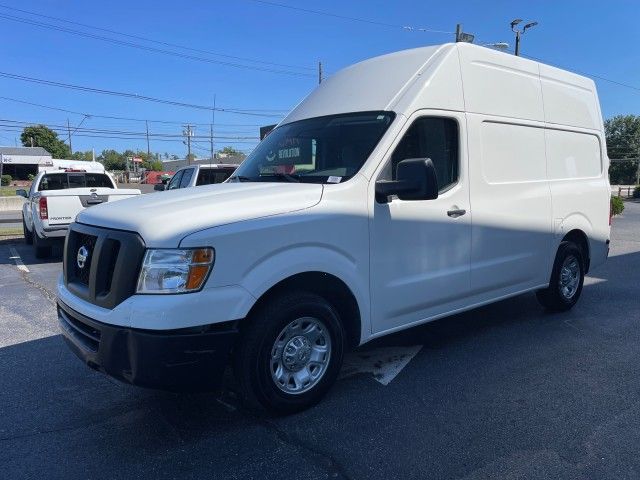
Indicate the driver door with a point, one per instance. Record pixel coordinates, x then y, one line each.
420 249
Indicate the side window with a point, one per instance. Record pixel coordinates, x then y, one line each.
204 177
175 181
430 137
186 177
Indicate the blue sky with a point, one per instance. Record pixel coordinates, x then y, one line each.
598 38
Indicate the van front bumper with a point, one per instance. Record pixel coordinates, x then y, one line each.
185 359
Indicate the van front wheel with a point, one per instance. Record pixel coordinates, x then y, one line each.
289 353
566 281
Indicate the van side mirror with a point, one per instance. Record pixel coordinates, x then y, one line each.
160 187
23 193
415 180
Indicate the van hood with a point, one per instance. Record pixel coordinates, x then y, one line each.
163 219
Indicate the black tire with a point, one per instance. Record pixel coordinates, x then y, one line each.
556 298
41 247
253 360
28 236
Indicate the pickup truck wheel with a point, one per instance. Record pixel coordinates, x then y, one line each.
289 354
42 248
28 236
567 278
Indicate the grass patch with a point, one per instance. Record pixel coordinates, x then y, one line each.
5 232
8 191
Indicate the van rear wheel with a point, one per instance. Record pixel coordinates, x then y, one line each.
289 354
567 278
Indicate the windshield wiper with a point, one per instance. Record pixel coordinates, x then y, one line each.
287 176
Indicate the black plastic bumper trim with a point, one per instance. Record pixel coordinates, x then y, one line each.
186 359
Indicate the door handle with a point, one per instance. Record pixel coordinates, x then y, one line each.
456 212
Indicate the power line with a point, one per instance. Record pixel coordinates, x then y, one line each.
114 117
59 127
152 49
146 47
118 137
159 42
582 72
354 19
101 91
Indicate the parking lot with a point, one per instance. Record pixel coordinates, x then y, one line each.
505 391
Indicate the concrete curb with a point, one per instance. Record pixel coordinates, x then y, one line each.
11 203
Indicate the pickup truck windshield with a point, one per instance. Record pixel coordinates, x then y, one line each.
327 149
62 181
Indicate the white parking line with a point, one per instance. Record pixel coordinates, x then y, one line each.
15 256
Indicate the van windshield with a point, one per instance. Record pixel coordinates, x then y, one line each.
327 149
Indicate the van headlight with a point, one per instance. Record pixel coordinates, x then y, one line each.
175 270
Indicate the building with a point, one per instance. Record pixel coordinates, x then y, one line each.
174 165
20 162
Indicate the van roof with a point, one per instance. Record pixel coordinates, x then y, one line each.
495 83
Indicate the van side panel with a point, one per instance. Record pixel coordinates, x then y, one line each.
497 84
438 86
569 99
510 205
576 159
580 188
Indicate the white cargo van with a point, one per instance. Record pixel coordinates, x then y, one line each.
403 189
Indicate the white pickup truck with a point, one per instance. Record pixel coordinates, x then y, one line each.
55 198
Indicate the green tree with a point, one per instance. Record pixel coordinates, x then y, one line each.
84 156
623 142
155 165
230 151
112 160
191 157
46 138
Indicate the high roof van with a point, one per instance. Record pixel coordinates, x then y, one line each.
403 189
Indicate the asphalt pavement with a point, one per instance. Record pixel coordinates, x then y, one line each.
505 391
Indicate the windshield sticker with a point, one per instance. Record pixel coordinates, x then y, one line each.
333 179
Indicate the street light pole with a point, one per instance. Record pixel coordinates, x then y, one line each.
519 33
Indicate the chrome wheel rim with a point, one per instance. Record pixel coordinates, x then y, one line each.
300 355
569 277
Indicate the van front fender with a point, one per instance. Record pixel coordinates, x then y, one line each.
277 266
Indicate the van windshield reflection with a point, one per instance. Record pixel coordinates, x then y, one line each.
328 149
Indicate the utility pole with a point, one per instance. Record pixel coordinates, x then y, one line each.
638 168
148 147
188 132
69 132
319 72
213 121
519 33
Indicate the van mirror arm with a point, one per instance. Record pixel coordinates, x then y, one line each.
387 188
416 180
